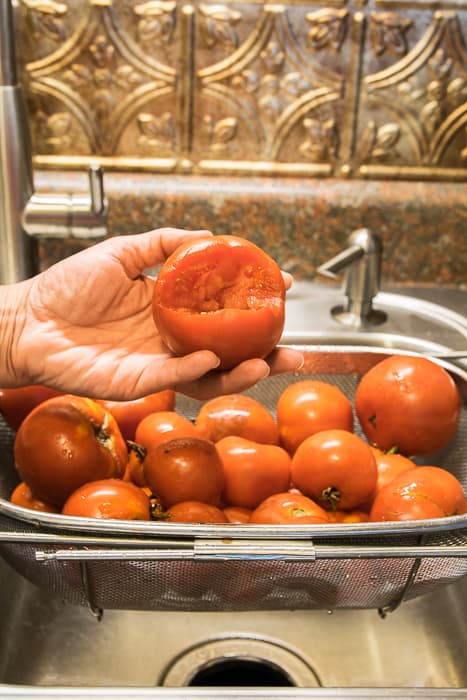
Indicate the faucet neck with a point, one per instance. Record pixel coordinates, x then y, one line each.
8 74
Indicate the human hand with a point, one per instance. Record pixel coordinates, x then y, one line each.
85 326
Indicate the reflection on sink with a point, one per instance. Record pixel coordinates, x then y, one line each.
412 322
46 643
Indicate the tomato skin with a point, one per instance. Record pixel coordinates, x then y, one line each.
237 515
24 497
195 512
348 516
185 469
236 414
335 468
423 492
108 498
129 414
16 404
65 442
410 403
223 294
162 426
134 471
389 465
288 509
308 407
252 471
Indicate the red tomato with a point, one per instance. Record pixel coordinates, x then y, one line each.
162 426
410 403
185 469
237 515
236 414
65 442
24 497
348 516
129 414
195 512
335 468
389 465
423 492
308 407
222 294
108 498
252 471
288 509
16 404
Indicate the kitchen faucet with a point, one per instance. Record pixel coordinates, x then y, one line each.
25 215
361 261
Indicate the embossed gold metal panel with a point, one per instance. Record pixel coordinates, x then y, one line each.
344 89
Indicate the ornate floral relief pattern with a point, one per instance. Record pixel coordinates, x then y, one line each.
388 33
328 29
265 88
321 141
45 17
280 84
217 25
104 84
156 21
426 95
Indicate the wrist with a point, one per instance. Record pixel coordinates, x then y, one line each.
13 312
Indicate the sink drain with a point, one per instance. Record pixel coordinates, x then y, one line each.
239 662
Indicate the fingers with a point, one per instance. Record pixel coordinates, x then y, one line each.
142 251
285 359
288 279
242 377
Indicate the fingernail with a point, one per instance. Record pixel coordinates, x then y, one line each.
217 362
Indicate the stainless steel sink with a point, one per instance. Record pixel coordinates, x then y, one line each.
46 644
425 320
49 648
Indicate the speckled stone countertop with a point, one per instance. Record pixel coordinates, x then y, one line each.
300 222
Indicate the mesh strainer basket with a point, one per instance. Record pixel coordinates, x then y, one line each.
170 566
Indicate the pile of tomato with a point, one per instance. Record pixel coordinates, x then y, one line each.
238 462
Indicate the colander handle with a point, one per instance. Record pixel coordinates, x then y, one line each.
215 550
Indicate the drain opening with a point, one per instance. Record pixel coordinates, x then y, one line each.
241 673
239 661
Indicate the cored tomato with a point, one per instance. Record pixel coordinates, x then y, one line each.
16 404
309 406
236 414
24 497
223 294
195 512
252 471
185 469
108 498
410 403
65 442
423 492
129 414
335 468
162 426
288 509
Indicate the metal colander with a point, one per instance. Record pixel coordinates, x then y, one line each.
178 566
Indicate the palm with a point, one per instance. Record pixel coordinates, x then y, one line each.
101 327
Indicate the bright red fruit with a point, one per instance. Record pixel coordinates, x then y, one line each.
223 294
